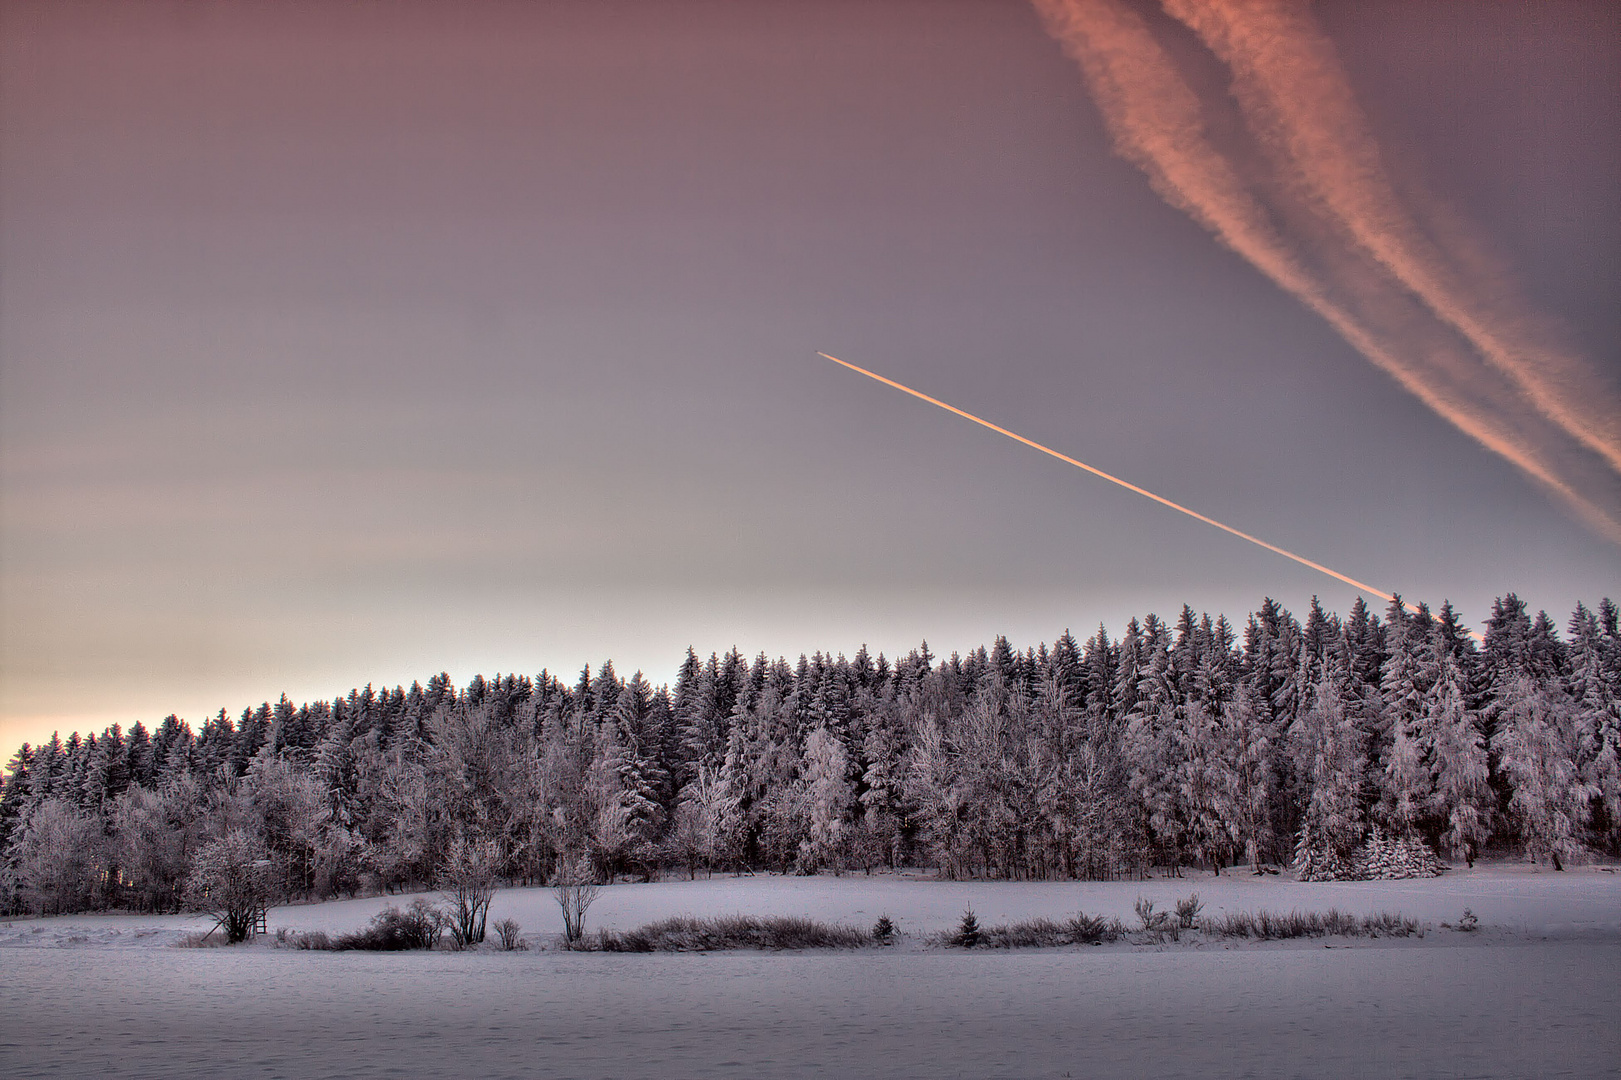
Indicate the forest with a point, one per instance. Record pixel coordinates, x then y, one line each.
1360 746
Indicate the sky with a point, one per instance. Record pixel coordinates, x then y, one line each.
349 342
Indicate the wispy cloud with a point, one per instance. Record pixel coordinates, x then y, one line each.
1397 278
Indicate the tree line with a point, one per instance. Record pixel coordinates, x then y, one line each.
1174 745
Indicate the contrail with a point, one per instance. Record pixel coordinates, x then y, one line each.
1303 561
1297 98
1324 224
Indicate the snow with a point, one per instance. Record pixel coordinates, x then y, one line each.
1533 994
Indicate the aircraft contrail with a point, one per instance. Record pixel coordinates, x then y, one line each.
1302 560
1398 278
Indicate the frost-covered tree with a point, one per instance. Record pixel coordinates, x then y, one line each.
1080 760
1328 753
828 797
1595 691
1409 672
232 879
1461 799
1536 742
59 856
706 821
154 836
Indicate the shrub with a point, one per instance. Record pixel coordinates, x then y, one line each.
1469 923
506 932
1038 933
1087 929
1187 911
392 930
1151 919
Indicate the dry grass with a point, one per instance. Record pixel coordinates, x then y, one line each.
1159 927
1042 933
1270 926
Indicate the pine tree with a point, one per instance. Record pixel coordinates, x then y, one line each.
1409 671
829 796
1462 797
1536 743
1327 750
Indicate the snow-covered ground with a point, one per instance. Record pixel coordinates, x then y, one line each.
1533 994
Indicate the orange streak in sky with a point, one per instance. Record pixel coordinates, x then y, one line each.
1112 479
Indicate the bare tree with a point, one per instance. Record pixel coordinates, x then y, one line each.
468 882
576 888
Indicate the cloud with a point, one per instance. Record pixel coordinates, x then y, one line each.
1399 279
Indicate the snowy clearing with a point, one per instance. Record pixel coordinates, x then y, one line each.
1532 994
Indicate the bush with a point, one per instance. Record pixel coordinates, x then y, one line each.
1087 929
506 932
1187 911
1381 857
686 933
1151 919
392 930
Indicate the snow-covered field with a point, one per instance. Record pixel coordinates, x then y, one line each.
1534 993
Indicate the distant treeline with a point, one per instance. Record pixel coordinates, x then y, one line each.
1175 745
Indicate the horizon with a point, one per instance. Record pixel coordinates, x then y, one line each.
664 683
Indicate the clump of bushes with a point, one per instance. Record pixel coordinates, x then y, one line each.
419 926
1083 929
1087 929
507 932
687 933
